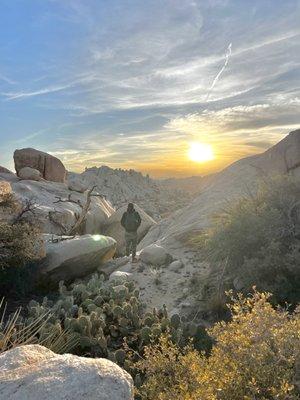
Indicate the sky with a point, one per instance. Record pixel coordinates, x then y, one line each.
131 83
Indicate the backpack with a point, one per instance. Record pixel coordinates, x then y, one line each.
132 221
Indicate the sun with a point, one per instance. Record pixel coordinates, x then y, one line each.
200 152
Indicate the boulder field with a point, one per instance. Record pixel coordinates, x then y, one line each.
123 186
33 372
56 207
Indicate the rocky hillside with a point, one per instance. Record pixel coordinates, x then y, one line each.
239 179
122 186
171 284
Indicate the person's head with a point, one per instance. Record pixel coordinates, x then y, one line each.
130 207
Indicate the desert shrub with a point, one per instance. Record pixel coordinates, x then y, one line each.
17 331
20 244
7 201
257 239
254 357
106 315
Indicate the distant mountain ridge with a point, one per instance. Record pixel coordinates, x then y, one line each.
121 186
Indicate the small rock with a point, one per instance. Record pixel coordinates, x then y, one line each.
77 185
155 255
238 283
185 304
176 265
30 174
120 276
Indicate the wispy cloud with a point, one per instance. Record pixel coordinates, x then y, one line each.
227 56
6 79
39 92
133 82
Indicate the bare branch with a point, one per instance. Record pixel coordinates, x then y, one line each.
28 206
79 217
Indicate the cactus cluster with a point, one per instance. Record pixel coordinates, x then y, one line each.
102 315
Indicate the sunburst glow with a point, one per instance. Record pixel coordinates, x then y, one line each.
200 152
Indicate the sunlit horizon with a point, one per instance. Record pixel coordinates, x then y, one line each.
132 84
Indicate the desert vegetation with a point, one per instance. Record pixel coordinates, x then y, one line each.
20 242
256 241
234 290
255 356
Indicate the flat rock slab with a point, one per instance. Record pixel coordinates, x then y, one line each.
34 372
76 257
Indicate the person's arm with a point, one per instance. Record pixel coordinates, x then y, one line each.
123 219
138 217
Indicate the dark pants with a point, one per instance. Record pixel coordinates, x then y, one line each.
131 242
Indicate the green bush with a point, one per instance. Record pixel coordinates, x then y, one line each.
255 357
256 240
20 245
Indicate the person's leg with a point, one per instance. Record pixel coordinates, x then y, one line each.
128 244
134 244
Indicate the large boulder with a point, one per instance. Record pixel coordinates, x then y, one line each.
114 228
75 257
155 255
29 173
50 167
34 372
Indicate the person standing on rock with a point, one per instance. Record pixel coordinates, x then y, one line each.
131 221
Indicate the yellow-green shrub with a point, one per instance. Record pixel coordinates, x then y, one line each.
254 358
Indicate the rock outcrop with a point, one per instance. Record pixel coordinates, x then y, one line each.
4 170
232 183
114 228
56 216
172 284
33 372
50 167
73 258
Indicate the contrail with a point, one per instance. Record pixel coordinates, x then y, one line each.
228 54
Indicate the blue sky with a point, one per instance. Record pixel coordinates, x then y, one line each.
130 83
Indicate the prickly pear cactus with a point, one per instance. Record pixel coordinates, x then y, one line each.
103 315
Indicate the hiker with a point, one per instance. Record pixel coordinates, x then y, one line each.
130 221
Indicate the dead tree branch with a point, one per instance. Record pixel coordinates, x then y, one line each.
85 209
28 206
79 217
